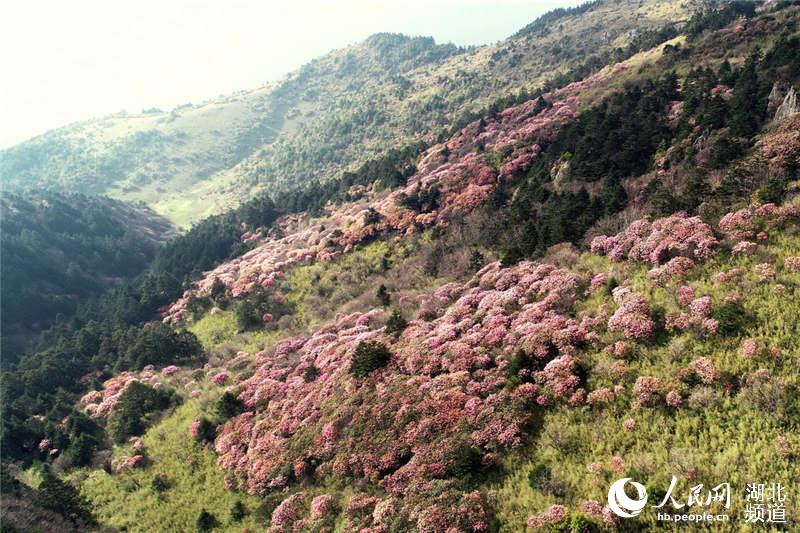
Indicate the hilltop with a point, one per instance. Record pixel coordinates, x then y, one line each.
329 116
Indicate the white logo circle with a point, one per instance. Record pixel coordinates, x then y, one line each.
621 504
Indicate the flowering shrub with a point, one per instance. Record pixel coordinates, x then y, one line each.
598 281
674 399
555 515
705 369
764 271
321 506
750 348
220 378
632 317
659 241
287 513
646 389
169 370
792 264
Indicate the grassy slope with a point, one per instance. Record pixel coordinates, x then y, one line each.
127 501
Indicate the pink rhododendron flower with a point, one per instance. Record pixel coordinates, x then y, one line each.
220 378
556 514
169 370
793 264
685 294
321 506
705 369
674 399
750 348
646 389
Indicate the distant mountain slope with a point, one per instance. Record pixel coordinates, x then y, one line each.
58 250
330 115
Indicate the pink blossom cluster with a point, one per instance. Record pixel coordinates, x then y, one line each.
100 403
659 241
750 222
646 389
677 267
618 349
792 264
127 463
744 248
727 276
597 281
674 399
555 515
698 319
444 385
595 510
705 369
632 317
750 348
781 145
287 513
321 506
220 378
169 370
764 271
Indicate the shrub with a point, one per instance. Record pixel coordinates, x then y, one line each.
539 476
228 405
383 296
396 323
160 482
206 521
467 463
732 318
131 414
238 511
369 356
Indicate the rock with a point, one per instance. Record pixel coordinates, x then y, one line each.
775 97
559 173
789 105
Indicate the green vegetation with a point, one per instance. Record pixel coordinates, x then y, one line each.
195 484
61 249
129 418
369 356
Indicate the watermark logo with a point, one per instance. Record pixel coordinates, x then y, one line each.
623 505
765 502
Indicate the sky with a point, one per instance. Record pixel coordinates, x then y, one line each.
65 61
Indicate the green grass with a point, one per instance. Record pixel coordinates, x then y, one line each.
128 502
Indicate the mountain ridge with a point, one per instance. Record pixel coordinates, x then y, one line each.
295 130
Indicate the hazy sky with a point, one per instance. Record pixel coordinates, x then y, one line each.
68 60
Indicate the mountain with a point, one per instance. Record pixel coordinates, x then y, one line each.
330 115
590 281
59 250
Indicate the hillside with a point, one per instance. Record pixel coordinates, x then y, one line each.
593 280
330 115
59 250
